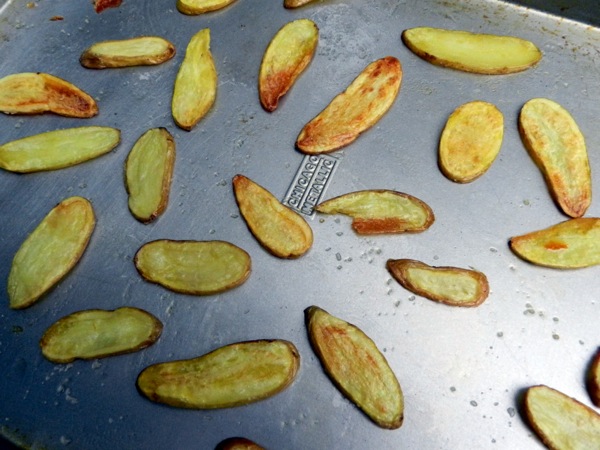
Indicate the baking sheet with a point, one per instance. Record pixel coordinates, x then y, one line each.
462 371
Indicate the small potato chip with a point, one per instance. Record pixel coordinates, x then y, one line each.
290 4
138 51
195 7
238 443
593 382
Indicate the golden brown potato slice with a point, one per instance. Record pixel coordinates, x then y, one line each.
356 367
238 443
196 82
97 333
50 251
290 4
557 146
472 52
561 422
450 285
36 93
471 140
572 244
195 7
233 375
148 174
355 110
193 267
381 211
138 51
286 57
280 230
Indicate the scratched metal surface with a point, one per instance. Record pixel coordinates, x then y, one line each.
462 371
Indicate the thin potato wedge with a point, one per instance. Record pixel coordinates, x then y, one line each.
450 285
280 230
195 7
286 57
472 52
593 382
195 87
561 422
471 141
97 333
381 211
50 251
233 375
555 143
355 110
36 93
148 174
290 4
356 367
238 443
137 51
193 267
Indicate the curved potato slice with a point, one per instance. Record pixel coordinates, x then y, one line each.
594 379
195 7
290 4
450 285
355 110
356 367
381 211
238 443
572 244
471 140
36 93
50 251
472 52
280 230
138 51
233 375
96 333
557 146
286 57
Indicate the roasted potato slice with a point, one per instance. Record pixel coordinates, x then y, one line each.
233 375
193 267
101 5
356 367
572 244
555 143
50 251
36 93
381 211
238 443
286 57
355 110
471 140
472 52
195 88
561 422
290 4
450 285
195 7
138 51
148 174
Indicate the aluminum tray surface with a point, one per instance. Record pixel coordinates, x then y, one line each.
462 371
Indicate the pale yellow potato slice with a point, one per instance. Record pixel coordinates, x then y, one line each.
195 87
555 143
97 333
193 267
472 52
593 382
471 141
233 375
356 367
561 422
381 211
195 7
572 244
290 4
57 149
286 57
238 443
137 51
50 251
355 110
280 230
36 93
450 285
148 174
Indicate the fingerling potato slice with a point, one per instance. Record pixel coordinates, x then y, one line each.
137 51
195 7
381 211
238 443
286 57
355 110
356 367
280 230
193 267
471 140
450 285
555 143
593 382
290 4
50 251
472 52
233 375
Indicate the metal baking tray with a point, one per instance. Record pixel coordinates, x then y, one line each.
463 371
